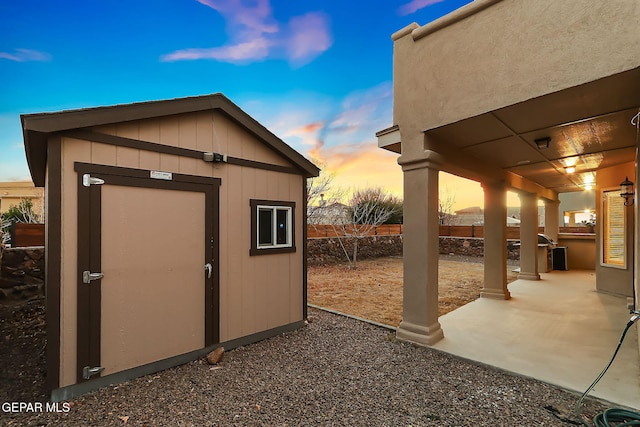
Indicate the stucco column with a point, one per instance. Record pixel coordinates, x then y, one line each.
420 251
495 243
528 237
552 218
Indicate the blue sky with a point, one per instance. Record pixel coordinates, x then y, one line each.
317 73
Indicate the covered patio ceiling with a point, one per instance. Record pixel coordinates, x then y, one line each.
589 127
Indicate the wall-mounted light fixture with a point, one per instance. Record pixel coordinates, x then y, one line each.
626 191
214 157
543 143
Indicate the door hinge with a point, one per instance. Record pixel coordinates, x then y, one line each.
88 276
88 372
88 180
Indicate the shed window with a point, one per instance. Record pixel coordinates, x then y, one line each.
272 227
613 229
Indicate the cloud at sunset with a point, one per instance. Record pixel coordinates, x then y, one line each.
366 165
340 138
255 35
339 134
317 74
363 165
346 134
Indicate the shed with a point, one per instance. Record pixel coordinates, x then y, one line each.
173 227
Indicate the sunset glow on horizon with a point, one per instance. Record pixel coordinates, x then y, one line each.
310 72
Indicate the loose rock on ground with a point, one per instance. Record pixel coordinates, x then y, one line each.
333 372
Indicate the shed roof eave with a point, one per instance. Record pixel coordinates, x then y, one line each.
38 127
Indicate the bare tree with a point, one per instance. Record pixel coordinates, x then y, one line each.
366 210
446 215
322 198
318 187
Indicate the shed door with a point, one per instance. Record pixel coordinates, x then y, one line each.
151 240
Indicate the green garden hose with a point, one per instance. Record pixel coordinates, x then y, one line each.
613 417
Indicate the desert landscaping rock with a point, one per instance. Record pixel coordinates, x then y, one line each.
22 274
333 372
215 356
321 251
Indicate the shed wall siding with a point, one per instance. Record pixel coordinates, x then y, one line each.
257 293
204 131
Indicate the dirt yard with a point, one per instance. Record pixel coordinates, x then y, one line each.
374 290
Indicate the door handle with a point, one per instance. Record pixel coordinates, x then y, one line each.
209 269
88 276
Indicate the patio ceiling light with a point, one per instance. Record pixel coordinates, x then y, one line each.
626 191
570 169
543 143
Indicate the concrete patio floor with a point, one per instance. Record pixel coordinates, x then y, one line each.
558 330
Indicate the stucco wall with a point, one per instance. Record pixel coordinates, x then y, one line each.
257 293
581 251
480 63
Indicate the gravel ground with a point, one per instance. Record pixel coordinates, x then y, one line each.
335 371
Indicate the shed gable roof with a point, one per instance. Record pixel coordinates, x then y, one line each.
38 127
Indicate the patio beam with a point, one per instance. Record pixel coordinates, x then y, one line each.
457 162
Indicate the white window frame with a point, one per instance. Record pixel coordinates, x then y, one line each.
274 227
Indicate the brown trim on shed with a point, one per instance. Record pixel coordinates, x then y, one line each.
305 250
265 166
144 174
53 247
89 295
89 246
177 151
120 141
212 289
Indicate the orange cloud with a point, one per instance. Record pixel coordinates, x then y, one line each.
310 128
366 165
358 166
